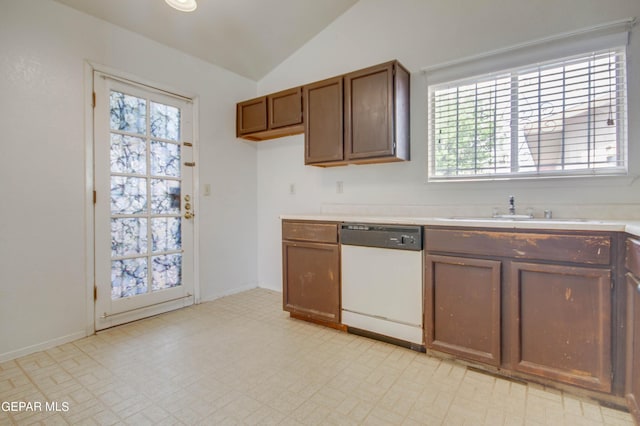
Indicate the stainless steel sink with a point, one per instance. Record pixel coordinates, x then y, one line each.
521 218
512 217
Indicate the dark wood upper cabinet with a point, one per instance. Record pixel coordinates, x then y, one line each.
358 118
632 388
272 116
323 122
251 116
377 114
285 108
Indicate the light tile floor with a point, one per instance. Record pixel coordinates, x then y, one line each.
242 360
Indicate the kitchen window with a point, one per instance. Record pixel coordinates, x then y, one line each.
558 117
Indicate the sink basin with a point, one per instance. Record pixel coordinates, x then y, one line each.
512 217
522 218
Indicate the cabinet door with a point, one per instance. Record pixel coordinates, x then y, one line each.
251 116
311 275
462 307
632 390
560 323
285 108
323 122
369 113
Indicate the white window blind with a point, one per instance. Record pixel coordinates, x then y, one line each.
561 117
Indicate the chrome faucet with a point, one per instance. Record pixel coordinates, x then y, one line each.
512 204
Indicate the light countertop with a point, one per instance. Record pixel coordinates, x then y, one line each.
631 227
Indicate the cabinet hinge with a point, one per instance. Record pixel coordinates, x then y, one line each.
95 197
93 96
95 292
187 143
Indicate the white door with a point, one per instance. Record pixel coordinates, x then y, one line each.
144 204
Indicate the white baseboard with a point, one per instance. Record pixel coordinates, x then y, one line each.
8 356
235 290
266 286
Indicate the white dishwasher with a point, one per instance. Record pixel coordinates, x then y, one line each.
382 282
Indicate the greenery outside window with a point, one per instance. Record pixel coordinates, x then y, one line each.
565 117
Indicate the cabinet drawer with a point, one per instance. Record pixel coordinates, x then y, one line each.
587 249
632 258
310 231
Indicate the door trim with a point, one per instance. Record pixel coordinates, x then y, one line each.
90 261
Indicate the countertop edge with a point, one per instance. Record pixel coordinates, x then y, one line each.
630 227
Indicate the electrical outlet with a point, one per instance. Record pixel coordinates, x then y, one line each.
207 189
339 187
292 189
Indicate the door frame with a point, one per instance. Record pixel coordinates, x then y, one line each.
89 206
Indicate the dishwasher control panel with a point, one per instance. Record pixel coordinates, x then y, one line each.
401 237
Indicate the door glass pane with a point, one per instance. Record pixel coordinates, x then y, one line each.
128 236
145 196
128 277
165 159
128 154
167 271
165 121
128 113
128 195
165 234
165 196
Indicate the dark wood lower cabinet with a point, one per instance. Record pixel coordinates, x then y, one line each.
462 307
311 270
560 323
546 306
632 388
533 303
311 280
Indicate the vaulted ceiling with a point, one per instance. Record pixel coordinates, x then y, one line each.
248 37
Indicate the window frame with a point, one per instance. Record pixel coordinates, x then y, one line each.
611 37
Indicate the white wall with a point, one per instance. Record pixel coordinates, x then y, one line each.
43 48
419 34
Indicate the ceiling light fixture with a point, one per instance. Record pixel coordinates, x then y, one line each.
183 5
